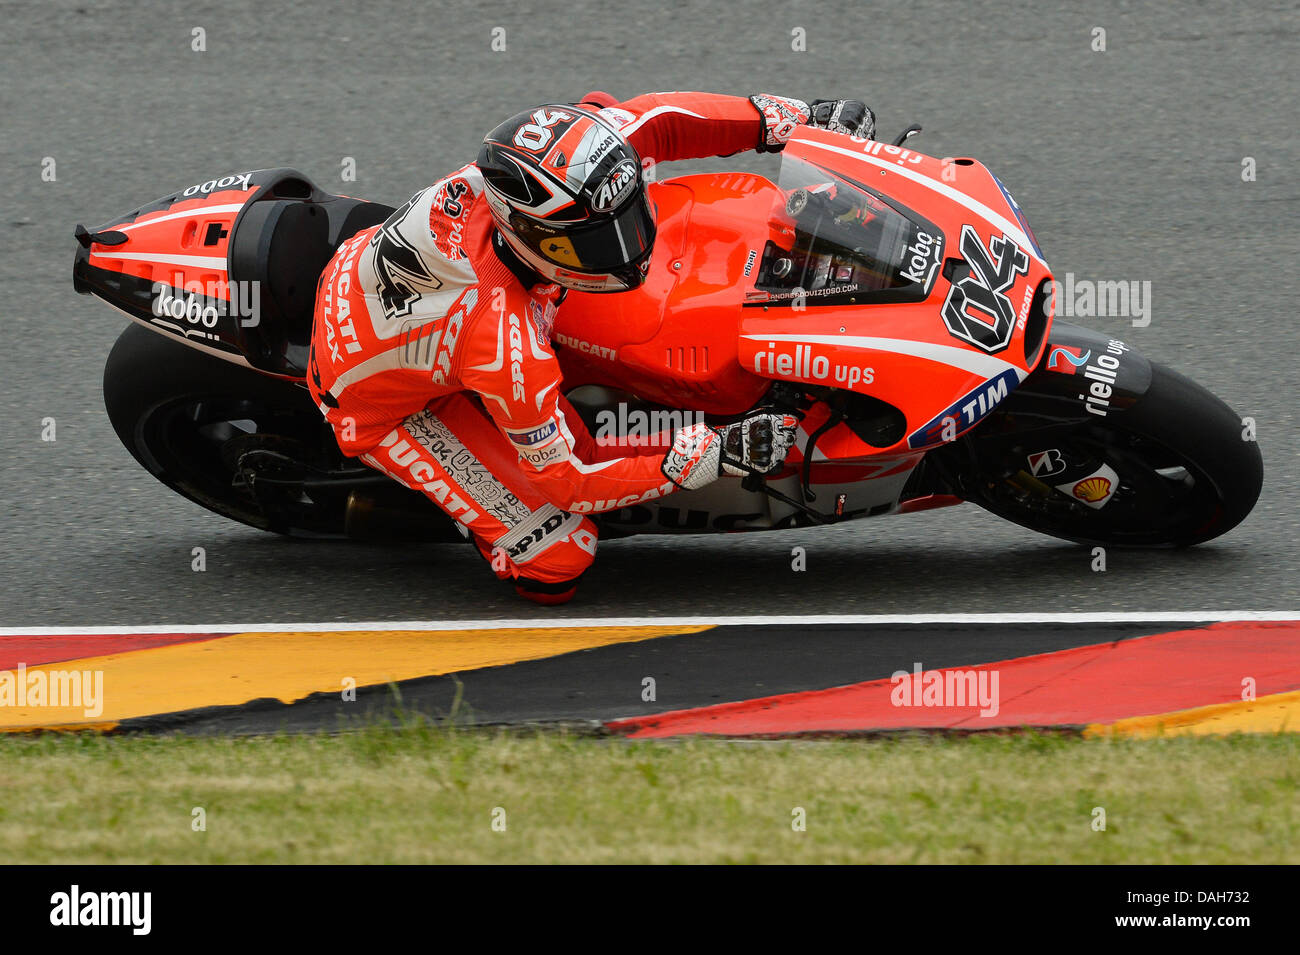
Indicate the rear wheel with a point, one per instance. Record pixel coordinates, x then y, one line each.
1187 472
189 418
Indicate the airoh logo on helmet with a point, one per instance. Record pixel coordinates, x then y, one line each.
615 187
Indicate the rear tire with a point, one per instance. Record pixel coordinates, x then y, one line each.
185 415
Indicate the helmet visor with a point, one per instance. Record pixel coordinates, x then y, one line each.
603 246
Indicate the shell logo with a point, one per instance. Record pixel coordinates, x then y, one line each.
1092 489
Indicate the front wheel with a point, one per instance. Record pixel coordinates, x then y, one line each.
1188 470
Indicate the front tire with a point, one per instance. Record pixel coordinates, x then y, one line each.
1187 471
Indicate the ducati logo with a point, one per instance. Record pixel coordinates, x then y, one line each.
977 309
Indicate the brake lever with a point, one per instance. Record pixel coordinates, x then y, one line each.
907 134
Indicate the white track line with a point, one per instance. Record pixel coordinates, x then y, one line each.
543 622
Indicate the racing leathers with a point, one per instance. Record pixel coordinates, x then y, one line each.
431 358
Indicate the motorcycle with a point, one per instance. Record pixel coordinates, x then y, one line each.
898 304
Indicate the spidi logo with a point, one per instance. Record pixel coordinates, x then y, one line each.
516 359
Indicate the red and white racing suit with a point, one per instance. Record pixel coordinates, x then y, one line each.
433 362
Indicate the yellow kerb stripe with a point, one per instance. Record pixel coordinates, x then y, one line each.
290 666
1275 713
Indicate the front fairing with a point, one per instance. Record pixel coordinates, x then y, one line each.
898 275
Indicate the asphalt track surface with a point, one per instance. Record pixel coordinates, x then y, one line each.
1128 162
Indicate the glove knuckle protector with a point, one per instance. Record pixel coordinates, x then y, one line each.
780 115
849 116
757 444
694 460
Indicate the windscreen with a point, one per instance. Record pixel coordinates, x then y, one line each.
843 242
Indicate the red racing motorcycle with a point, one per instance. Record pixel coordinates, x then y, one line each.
897 303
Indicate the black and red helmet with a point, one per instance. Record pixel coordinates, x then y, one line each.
565 188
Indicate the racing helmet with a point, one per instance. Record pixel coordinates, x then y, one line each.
566 192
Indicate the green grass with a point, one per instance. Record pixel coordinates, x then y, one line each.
422 794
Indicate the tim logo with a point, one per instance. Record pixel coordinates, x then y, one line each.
534 436
1067 360
977 309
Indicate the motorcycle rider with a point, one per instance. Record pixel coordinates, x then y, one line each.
431 353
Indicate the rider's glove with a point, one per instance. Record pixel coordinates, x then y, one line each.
844 116
781 114
701 453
